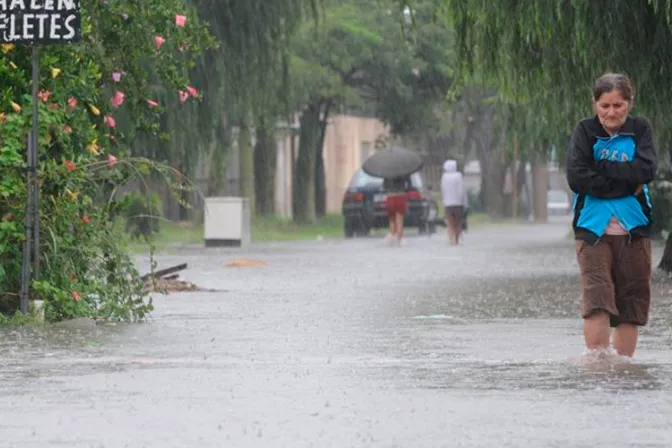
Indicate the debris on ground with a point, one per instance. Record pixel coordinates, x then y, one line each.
246 263
166 280
172 285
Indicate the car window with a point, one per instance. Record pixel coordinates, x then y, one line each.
416 181
360 180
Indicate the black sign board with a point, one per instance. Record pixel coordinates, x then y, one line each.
40 21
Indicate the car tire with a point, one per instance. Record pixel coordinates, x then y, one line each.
348 229
363 230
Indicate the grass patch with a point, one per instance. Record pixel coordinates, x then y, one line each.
479 219
264 229
170 234
269 229
32 318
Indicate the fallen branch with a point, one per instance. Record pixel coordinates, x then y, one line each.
163 272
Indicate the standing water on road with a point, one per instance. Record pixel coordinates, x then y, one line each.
349 343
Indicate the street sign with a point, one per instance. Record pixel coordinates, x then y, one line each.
40 21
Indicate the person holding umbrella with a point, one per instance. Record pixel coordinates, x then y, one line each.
395 165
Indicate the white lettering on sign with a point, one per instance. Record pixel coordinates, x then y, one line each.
40 21
67 5
17 4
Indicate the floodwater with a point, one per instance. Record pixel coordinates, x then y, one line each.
349 344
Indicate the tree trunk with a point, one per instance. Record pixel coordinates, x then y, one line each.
265 157
666 261
246 157
540 188
221 147
320 178
520 188
303 191
183 212
493 174
320 186
489 145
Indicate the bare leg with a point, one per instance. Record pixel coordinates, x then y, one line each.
452 229
596 330
393 226
399 218
458 230
625 339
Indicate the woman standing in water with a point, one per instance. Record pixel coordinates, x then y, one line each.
611 159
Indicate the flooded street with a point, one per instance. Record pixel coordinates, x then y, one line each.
349 344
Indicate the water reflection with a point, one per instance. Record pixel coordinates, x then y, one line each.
600 369
463 375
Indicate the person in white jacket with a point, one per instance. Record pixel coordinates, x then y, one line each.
454 199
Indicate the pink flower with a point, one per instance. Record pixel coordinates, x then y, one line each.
192 91
158 42
69 165
75 296
118 98
111 161
44 95
184 96
109 121
180 20
116 76
152 104
72 102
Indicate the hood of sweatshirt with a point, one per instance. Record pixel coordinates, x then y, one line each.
450 166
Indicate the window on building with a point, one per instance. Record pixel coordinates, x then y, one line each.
364 151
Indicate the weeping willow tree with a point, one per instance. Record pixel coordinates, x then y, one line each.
242 74
544 56
240 81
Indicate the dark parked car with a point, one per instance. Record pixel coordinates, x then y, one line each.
364 205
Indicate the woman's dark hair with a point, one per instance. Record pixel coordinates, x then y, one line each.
614 81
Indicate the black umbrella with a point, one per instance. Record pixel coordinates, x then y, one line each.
392 162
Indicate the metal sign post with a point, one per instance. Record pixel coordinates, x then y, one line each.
30 22
33 148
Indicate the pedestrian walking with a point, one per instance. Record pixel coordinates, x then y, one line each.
453 195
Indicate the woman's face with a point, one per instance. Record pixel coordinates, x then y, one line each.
612 110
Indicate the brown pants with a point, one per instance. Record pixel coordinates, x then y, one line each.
454 215
616 278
